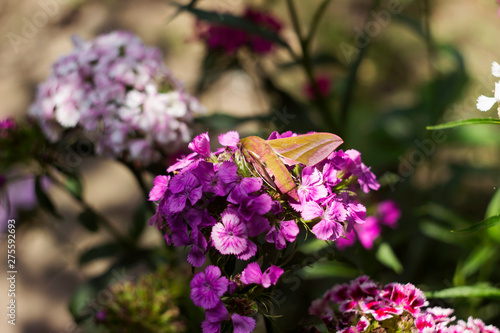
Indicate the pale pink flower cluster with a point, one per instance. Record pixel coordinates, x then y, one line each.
116 91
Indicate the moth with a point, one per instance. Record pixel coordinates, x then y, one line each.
270 156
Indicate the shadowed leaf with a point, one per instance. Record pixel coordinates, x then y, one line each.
488 223
466 292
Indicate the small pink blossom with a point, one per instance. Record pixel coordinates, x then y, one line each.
324 85
253 274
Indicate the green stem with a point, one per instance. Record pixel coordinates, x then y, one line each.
145 190
428 35
352 78
318 15
114 231
319 100
268 324
106 224
351 83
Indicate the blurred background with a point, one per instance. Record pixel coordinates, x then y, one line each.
424 66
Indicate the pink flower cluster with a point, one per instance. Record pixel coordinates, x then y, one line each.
386 213
327 194
208 288
6 125
209 202
117 92
231 39
362 305
213 203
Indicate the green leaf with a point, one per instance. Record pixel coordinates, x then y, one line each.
78 305
100 251
235 22
213 66
43 199
139 221
481 255
313 321
386 256
473 121
488 223
479 291
492 210
494 205
444 214
74 186
438 232
89 219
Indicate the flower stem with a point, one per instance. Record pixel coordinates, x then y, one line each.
268 324
125 241
142 185
353 73
306 60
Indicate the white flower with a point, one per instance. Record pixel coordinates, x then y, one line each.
485 103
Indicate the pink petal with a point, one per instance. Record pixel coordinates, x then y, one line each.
243 324
251 274
229 139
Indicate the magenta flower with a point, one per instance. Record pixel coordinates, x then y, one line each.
216 316
207 287
368 232
237 187
324 86
258 44
253 274
229 139
226 38
185 162
330 175
328 228
230 236
184 187
6 125
201 145
242 324
282 232
389 213
210 182
159 188
250 206
100 316
230 39
198 245
320 308
405 297
311 188
347 240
